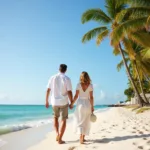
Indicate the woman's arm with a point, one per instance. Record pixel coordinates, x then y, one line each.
75 97
92 101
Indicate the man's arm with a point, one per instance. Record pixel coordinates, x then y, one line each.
75 98
47 97
70 95
69 90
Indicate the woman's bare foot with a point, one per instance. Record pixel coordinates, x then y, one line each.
84 140
81 140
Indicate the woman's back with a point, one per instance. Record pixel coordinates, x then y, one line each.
84 90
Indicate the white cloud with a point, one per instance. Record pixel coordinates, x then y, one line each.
102 95
108 98
3 97
9 99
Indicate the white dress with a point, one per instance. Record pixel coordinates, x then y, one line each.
83 111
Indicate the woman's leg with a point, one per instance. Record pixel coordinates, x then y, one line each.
81 139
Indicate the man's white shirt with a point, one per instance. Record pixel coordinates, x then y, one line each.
59 85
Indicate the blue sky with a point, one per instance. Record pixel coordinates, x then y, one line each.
37 35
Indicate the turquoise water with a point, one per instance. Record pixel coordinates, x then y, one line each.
18 117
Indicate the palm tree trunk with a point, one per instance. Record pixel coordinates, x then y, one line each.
140 100
143 93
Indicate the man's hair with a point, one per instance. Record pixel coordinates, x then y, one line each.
63 68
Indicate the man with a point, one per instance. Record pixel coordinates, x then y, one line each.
60 88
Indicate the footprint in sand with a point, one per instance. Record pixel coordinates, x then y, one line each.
134 143
94 147
72 148
140 132
144 138
133 132
103 129
148 142
140 147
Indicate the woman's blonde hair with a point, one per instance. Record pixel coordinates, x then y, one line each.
85 78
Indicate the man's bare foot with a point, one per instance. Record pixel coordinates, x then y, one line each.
57 137
61 142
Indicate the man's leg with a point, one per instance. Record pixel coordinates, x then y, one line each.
56 122
56 126
62 130
64 116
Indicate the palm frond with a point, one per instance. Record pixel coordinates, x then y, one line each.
141 38
128 46
144 54
132 13
93 33
116 51
136 3
127 27
145 67
95 15
101 36
121 64
148 23
113 7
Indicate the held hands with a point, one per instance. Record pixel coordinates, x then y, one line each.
71 105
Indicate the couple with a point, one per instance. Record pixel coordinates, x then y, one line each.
60 89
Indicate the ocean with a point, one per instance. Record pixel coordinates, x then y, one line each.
19 117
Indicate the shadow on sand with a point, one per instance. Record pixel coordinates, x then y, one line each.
71 142
119 138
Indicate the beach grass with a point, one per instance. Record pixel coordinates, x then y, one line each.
137 108
143 109
131 107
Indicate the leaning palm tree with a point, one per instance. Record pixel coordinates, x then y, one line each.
139 66
107 25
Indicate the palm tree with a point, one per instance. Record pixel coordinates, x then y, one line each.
108 25
134 23
138 66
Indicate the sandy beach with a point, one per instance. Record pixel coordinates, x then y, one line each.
115 129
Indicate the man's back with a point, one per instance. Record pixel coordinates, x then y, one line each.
59 85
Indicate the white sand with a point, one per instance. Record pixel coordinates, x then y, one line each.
115 129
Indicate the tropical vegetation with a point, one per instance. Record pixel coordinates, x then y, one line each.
127 24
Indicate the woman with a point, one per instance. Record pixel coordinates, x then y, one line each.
84 107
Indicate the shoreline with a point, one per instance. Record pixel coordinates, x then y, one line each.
27 124
116 128
7 140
